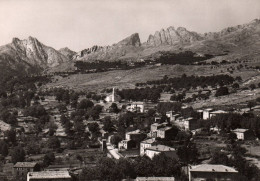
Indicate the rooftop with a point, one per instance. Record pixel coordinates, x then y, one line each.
134 132
209 109
155 179
218 112
190 118
149 141
160 148
140 103
165 128
25 164
156 124
240 130
125 141
49 175
212 168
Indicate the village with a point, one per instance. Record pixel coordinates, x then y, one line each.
63 135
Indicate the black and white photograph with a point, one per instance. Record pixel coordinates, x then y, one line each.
129 90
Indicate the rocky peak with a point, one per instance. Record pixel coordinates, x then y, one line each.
132 40
67 52
33 52
170 36
15 40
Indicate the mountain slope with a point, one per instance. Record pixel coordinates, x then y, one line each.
67 52
129 45
231 39
29 53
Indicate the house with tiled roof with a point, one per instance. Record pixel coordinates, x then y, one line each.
244 134
136 136
49 176
155 179
165 132
22 168
157 149
146 144
212 172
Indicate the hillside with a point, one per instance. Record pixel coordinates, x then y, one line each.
30 55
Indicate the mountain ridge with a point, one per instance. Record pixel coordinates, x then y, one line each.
31 53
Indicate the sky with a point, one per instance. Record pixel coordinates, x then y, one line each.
80 24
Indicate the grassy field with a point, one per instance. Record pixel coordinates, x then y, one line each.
232 99
128 78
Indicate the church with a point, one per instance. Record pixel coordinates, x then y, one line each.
113 97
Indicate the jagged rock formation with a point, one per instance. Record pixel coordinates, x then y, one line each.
170 36
114 52
30 53
183 37
67 52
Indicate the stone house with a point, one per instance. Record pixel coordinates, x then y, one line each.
244 134
49 176
21 169
212 173
146 144
157 149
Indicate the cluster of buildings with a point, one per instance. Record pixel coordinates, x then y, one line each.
147 142
132 140
203 172
31 171
133 107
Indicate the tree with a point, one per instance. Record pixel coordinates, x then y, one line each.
74 103
126 169
143 166
53 142
222 91
79 127
85 104
93 128
165 166
219 158
238 78
114 108
18 154
68 126
62 107
35 111
188 153
108 125
33 148
52 128
89 173
12 119
63 119
5 114
183 136
232 136
3 148
108 169
11 136
178 97
235 86
115 139
252 86
163 107
251 104
48 159
94 112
